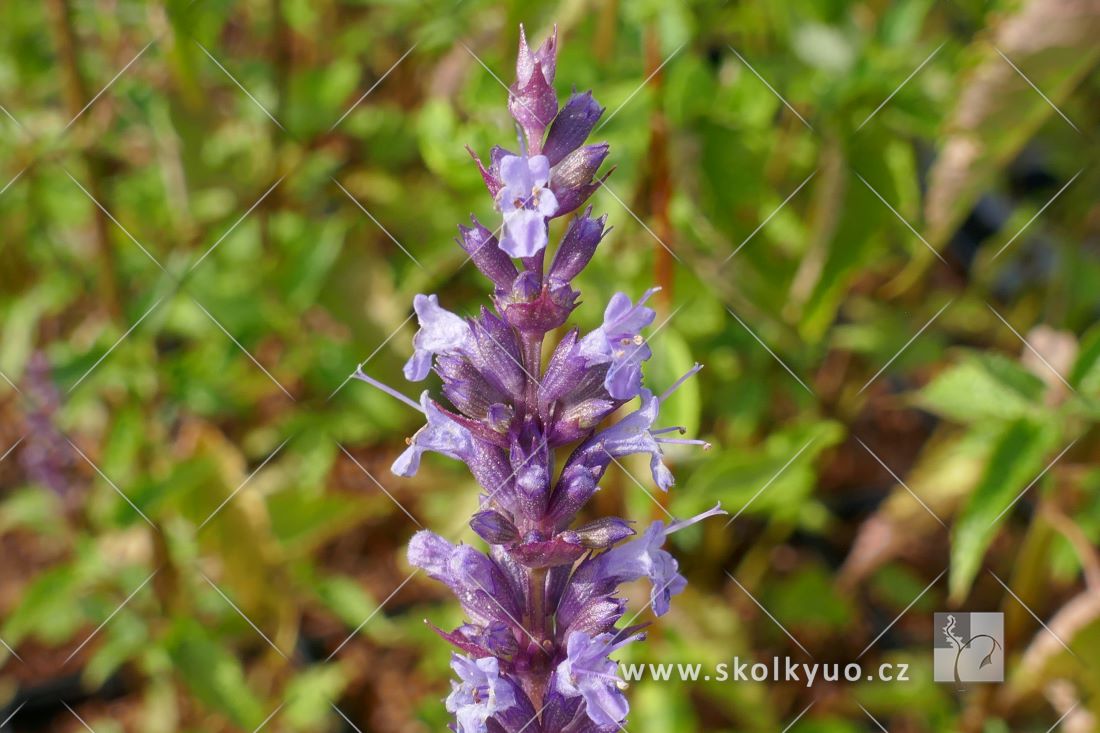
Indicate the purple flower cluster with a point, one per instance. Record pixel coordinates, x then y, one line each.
542 607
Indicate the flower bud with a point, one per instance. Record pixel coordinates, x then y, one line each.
494 528
485 252
571 179
571 127
601 533
531 463
533 102
577 246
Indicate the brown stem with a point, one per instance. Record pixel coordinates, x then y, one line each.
536 578
659 183
606 30
75 92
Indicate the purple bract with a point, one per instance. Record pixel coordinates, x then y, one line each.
541 605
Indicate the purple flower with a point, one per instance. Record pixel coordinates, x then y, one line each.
482 587
443 434
46 457
526 202
588 672
635 434
619 342
643 557
441 332
588 603
479 694
494 528
542 609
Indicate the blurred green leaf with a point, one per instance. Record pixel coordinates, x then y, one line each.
1017 460
213 674
984 387
310 696
774 480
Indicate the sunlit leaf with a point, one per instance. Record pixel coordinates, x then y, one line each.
1017 460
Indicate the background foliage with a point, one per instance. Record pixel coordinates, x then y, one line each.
877 234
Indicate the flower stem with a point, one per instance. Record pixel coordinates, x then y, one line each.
536 579
532 363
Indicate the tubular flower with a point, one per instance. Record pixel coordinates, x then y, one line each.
542 605
526 203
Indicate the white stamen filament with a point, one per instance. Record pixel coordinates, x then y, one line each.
676 385
363 376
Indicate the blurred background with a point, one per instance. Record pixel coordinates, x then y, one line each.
874 222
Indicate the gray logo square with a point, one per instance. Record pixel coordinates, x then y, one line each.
968 647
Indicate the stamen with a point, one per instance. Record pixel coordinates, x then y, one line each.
675 428
363 376
684 441
680 524
646 294
676 385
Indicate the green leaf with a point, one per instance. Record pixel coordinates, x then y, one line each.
124 639
302 521
346 598
1017 460
984 387
310 695
809 600
774 479
1085 375
213 674
47 609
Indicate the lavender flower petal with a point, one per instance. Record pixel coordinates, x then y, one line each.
494 528
485 252
441 332
572 180
442 434
577 246
587 672
479 694
526 202
619 342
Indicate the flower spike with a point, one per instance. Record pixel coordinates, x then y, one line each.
543 612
